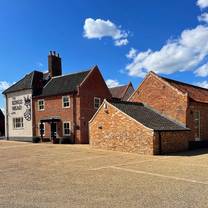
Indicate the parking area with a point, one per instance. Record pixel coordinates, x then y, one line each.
47 175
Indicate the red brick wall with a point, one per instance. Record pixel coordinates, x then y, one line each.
112 130
162 97
172 141
203 109
93 86
53 108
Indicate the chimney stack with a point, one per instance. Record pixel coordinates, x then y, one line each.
54 64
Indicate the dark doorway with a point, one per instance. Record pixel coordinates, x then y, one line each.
53 130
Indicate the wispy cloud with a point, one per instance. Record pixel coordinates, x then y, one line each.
4 85
112 83
203 84
98 29
202 3
185 53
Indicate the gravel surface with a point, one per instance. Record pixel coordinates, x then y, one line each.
47 175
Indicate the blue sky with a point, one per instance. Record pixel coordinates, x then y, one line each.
126 39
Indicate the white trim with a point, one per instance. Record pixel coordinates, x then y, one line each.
18 128
64 96
70 128
97 98
39 105
91 70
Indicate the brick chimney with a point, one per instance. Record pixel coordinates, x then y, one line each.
54 64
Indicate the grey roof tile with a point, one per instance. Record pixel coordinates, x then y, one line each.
147 116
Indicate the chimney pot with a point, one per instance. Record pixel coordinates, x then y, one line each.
54 64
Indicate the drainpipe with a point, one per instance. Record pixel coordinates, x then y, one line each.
160 143
7 118
73 116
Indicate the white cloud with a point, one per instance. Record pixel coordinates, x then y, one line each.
3 110
181 54
202 71
39 64
99 28
203 84
132 53
203 17
112 83
121 42
4 85
202 3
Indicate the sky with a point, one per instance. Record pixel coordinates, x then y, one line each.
126 39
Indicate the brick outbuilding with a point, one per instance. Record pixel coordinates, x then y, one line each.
182 102
135 127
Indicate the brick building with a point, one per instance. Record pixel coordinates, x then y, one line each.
70 101
135 127
123 92
2 124
184 103
53 104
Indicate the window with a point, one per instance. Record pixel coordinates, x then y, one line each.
66 128
66 101
18 123
197 125
41 105
96 103
43 128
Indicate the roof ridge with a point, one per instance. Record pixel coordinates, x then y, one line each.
183 83
125 102
71 74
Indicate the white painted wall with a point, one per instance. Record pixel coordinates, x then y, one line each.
17 108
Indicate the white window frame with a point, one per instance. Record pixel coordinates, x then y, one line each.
70 128
42 100
69 101
43 128
97 98
15 123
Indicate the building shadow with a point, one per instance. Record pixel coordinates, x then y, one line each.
189 153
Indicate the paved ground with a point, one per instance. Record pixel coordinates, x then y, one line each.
56 176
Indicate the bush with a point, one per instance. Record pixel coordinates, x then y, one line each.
55 140
66 140
36 139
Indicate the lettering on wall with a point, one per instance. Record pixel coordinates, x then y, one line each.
17 105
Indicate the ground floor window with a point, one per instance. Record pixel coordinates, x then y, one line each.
42 128
18 123
67 128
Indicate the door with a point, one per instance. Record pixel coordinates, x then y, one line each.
197 125
53 130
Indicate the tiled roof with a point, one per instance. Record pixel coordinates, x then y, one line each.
64 84
122 92
196 93
147 116
24 84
